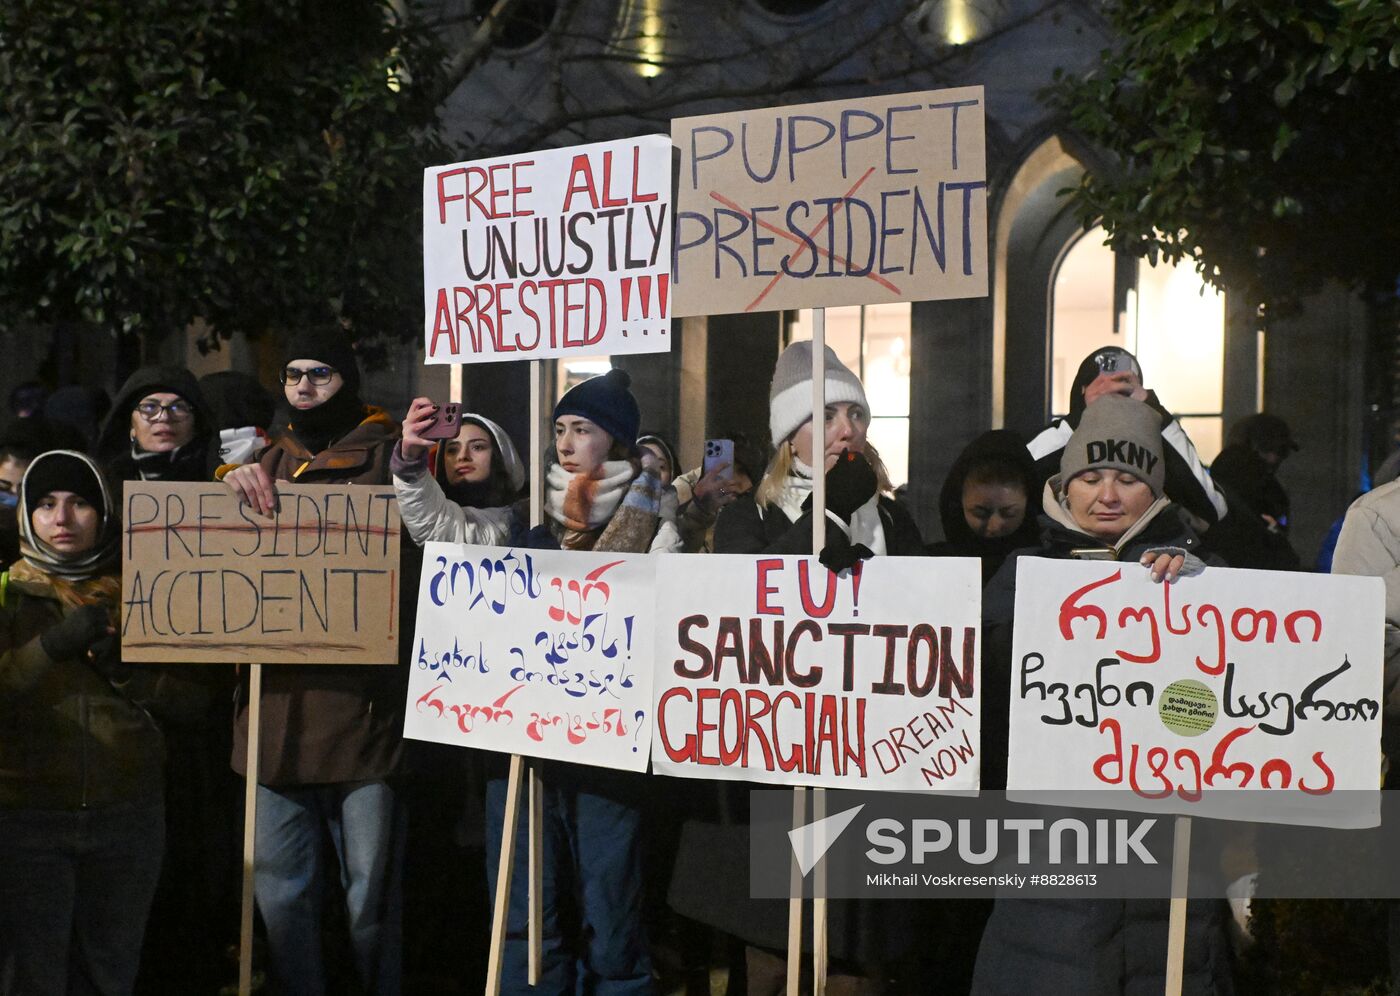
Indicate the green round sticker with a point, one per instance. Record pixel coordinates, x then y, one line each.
1188 707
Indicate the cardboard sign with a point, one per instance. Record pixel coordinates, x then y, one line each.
776 670
204 579
845 202
552 253
534 652
1251 695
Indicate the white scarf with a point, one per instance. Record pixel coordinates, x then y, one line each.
866 525
587 501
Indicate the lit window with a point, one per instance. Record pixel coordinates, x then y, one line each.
873 340
575 370
1172 322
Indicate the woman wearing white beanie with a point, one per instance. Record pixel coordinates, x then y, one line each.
859 507
866 940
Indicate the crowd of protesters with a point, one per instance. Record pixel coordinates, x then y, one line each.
120 784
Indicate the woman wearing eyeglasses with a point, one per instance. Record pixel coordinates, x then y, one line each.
161 429
158 429
332 748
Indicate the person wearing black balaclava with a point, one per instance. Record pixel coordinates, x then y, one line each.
332 746
158 429
1113 370
990 502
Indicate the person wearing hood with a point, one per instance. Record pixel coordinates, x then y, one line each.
1106 503
1247 471
477 476
1113 371
990 502
81 752
331 743
159 429
243 414
21 441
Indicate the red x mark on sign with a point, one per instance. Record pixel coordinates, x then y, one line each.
803 245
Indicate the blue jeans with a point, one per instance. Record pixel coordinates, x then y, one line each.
592 857
367 826
75 889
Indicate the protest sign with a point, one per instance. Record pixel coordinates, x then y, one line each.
844 202
534 652
1250 695
205 579
774 669
551 253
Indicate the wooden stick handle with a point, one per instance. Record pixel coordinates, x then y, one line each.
794 938
1176 923
503 877
535 929
250 835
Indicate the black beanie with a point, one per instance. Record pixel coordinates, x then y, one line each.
330 346
61 470
607 403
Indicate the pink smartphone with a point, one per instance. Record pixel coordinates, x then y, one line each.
447 422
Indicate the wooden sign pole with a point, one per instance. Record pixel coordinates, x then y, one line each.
250 820
1176 923
503 874
536 812
818 469
518 766
794 938
819 541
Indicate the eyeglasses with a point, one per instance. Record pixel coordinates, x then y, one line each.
176 411
319 376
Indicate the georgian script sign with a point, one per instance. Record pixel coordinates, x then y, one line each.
550 253
534 652
837 203
1249 695
205 579
774 669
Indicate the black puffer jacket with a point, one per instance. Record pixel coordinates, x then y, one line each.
743 528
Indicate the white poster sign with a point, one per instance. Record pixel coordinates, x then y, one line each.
536 652
545 254
1250 695
776 670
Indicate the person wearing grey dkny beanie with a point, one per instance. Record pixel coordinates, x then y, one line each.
1117 433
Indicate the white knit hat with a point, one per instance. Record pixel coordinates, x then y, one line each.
790 396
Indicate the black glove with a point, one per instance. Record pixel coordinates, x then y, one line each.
78 631
842 554
850 484
105 657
